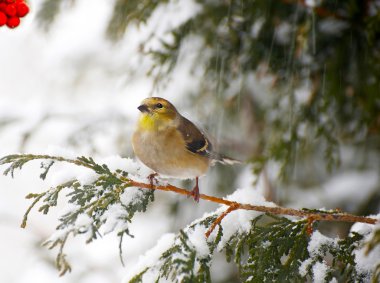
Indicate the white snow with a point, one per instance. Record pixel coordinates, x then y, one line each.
86 177
283 33
363 228
249 196
319 272
256 27
367 262
58 235
159 24
304 266
284 258
364 263
135 169
332 26
198 239
55 150
303 94
150 257
67 172
112 221
130 195
317 240
266 244
351 186
116 162
240 220
83 220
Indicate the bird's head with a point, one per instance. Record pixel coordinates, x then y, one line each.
156 112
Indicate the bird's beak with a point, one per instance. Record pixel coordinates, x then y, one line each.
143 108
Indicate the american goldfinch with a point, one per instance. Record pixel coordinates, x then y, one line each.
171 145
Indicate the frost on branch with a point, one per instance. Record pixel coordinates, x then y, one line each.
275 249
98 203
264 247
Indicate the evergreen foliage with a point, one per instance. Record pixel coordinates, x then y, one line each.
272 249
90 203
271 252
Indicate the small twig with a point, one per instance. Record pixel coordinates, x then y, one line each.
219 219
26 214
121 249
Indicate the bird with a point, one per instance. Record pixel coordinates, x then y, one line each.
171 145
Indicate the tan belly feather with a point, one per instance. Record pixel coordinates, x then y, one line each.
166 154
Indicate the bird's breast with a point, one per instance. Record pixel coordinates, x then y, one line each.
165 152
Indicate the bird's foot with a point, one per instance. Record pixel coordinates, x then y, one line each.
152 179
195 192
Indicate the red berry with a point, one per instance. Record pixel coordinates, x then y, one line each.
13 22
2 7
22 9
11 10
3 19
9 1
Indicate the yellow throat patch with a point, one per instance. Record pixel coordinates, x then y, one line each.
155 122
147 122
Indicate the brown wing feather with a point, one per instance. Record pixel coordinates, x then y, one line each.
196 141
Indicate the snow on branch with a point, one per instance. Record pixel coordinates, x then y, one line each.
105 197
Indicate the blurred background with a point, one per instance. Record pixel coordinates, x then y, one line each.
291 87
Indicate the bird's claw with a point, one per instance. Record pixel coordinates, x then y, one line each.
152 179
195 193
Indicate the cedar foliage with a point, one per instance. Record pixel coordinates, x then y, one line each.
273 249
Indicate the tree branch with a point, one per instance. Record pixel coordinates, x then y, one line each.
311 215
278 210
219 219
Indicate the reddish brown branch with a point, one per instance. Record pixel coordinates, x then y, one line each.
278 210
219 219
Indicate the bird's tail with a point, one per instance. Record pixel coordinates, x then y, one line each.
225 160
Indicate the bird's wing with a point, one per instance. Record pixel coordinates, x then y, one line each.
195 140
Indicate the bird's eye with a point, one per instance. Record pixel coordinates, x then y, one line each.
159 105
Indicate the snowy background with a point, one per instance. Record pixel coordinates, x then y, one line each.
55 86
70 89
